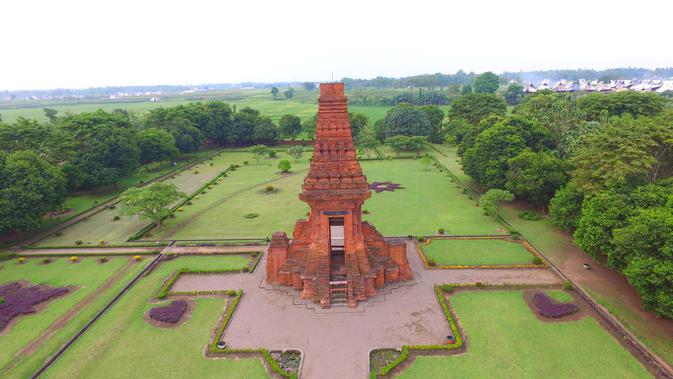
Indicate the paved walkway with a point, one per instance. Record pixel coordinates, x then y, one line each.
336 342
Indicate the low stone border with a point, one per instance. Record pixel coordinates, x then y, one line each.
213 351
527 245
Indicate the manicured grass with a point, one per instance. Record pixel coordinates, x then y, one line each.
122 345
87 275
102 226
429 201
505 340
477 252
221 211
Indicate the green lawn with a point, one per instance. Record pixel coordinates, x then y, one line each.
505 340
304 104
220 212
102 226
122 345
429 201
477 252
87 275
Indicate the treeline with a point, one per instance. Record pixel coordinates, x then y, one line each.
602 165
40 163
439 80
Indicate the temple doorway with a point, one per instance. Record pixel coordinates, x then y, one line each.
337 250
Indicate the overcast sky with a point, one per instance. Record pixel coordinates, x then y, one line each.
76 44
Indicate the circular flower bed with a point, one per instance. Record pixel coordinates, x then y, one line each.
547 307
170 313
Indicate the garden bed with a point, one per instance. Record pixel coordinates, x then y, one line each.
170 315
18 299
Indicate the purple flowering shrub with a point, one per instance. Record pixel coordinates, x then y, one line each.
384 186
547 307
170 313
20 300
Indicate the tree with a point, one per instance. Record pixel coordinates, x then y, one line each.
258 151
652 278
50 114
156 145
151 202
600 215
274 92
626 152
559 114
406 120
514 94
487 160
290 126
435 116
29 188
295 152
358 121
490 201
619 103
426 161
310 126
309 86
487 82
284 165
188 138
565 208
413 143
289 93
467 88
535 176
265 130
368 143
475 107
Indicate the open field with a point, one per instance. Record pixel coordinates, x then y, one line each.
477 252
88 276
505 340
304 104
102 226
122 345
220 212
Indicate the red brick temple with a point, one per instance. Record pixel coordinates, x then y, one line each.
334 256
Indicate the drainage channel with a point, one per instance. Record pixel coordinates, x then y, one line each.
100 313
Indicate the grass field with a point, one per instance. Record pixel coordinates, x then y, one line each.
122 345
87 275
505 340
304 104
477 252
102 226
220 212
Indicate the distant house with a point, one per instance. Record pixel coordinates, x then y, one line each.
529 88
154 99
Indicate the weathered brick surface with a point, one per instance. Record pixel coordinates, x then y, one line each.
335 187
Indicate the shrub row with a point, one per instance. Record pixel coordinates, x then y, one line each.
166 288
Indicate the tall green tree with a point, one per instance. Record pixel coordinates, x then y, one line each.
290 126
565 208
258 151
29 188
475 107
600 215
435 116
536 176
274 92
151 202
265 131
406 120
491 201
156 145
309 86
619 103
358 122
296 152
289 93
514 94
487 82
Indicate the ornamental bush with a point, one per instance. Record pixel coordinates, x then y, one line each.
170 313
547 307
19 300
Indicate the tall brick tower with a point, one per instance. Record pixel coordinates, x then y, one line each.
334 256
